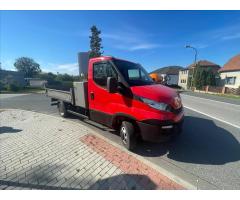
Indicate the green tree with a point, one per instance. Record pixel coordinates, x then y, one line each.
64 77
203 77
197 82
210 79
28 66
49 77
95 43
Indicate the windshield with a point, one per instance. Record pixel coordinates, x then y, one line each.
134 74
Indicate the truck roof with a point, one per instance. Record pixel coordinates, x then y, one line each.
101 58
108 58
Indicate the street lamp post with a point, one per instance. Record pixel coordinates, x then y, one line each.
195 60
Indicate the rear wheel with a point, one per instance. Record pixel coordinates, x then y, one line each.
128 136
62 109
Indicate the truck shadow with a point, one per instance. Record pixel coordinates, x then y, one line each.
45 176
7 129
124 182
202 142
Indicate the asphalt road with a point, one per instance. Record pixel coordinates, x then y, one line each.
206 155
226 112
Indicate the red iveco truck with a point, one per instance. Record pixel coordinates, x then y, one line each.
121 95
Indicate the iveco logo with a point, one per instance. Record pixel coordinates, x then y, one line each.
177 103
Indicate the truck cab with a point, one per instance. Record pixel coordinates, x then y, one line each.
120 94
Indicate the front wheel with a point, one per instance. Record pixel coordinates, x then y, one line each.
127 135
178 131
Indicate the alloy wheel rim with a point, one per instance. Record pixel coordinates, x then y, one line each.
124 135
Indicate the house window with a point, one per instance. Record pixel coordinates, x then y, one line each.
230 80
183 80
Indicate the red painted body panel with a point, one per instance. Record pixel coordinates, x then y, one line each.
112 103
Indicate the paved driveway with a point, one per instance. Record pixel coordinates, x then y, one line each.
44 152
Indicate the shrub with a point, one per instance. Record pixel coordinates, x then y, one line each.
2 86
67 84
13 87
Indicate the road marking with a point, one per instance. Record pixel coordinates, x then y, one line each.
193 109
212 100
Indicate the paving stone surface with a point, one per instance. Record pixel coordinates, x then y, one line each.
44 152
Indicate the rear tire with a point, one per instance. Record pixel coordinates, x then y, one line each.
128 136
62 109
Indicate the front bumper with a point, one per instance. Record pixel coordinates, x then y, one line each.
159 131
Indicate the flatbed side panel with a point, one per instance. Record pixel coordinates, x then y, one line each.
80 92
59 94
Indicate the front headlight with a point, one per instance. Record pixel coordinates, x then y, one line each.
156 105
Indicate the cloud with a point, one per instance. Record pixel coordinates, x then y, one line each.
130 39
227 32
144 46
8 65
122 37
201 46
231 37
111 36
68 68
207 38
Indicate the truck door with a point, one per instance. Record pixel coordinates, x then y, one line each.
101 102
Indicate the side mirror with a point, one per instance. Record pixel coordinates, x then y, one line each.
112 85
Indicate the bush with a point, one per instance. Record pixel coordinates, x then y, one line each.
2 86
67 84
13 87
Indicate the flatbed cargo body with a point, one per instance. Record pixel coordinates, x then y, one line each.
62 95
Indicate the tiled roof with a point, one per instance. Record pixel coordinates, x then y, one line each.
232 65
171 70
204 63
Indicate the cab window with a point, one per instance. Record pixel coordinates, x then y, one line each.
101 71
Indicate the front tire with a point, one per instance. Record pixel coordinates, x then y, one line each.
62 109
178 131
127 134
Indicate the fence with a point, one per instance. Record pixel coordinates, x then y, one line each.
235 91
219 90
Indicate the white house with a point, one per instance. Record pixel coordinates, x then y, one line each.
183 78
230 73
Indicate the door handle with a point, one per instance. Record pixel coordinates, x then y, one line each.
92 95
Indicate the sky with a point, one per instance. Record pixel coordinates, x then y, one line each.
152 38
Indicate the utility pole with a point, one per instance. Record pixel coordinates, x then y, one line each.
195 61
